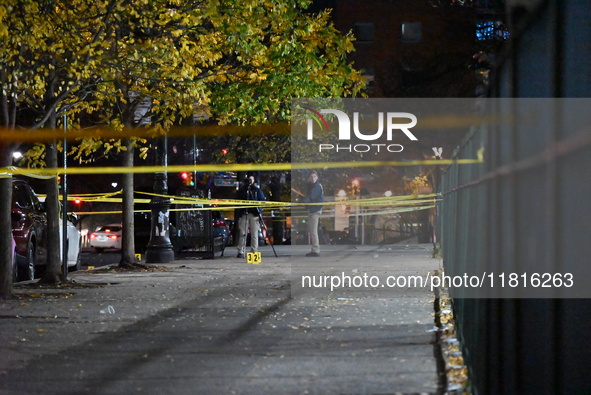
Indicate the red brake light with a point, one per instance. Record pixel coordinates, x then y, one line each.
113 237
92 236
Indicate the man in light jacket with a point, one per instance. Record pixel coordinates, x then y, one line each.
315 194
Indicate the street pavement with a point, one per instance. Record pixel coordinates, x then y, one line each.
224 326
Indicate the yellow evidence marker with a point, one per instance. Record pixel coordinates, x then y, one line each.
254 257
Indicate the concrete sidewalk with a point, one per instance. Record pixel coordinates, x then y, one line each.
223 326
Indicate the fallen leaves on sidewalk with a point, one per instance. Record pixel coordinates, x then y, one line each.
35 290
128 269
23 296
456 370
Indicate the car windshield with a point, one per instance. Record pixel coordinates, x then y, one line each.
110 229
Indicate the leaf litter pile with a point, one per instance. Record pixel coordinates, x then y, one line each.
137 267
458 381
40 290
51 291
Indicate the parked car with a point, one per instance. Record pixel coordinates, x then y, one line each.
108 236
74 242
73 238
29 229
220 228
13 260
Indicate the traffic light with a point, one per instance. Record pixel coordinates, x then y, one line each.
187 178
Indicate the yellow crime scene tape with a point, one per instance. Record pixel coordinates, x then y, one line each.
373 206
106 133
52 172
435 121
419 202
236 203
406 203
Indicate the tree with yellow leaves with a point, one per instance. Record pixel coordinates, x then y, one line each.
238 61
46 63
242 61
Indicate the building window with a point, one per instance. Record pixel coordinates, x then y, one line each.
412 32
364 32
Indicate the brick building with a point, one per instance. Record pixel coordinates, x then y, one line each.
411 48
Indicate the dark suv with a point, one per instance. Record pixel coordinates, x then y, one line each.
29 227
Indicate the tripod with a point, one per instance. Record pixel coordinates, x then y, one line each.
267 233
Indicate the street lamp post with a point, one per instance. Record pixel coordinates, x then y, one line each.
159 249
356 187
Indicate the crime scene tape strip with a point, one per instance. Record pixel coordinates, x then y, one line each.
439 122
106 133
403 206
179 200
220 207
382 212
7 172
235 203
195 200
49 172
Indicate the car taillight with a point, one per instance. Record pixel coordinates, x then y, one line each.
93 236
219 223
113 237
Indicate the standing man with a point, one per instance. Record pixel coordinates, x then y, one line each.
249 217
315 194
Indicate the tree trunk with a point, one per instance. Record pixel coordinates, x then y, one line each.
128 242
53 273
8 118
53 270
5 223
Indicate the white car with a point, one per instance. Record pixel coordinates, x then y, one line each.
73 239
73 242
108 236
